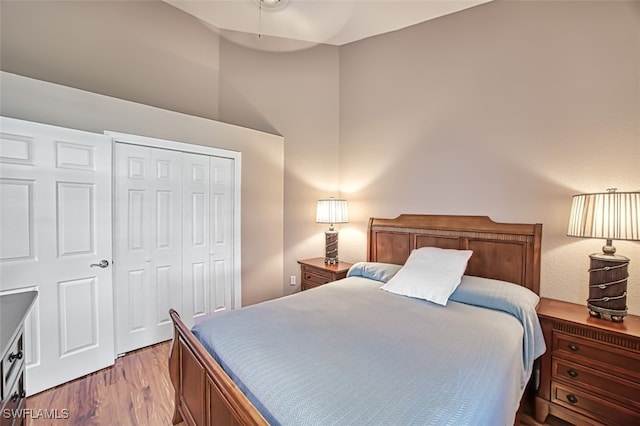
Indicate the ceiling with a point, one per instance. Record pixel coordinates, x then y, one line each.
335 22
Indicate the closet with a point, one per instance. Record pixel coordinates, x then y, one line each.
173 232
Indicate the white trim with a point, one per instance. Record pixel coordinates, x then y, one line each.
117 137
237 234
172 145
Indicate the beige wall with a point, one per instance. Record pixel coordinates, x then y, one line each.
154 54
293 93
505 110
142 51
150 53
262 154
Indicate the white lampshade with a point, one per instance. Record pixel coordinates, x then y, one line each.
611 216
608 215
332 211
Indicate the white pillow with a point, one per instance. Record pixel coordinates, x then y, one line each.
430 273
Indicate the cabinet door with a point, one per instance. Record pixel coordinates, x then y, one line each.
148 267
55 222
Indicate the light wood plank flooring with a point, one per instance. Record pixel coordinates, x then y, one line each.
136 391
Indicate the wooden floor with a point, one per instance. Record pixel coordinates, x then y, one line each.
136 391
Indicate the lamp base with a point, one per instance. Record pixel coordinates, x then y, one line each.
612 314
608 286
331 247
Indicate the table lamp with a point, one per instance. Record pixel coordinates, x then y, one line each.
610 216
332 211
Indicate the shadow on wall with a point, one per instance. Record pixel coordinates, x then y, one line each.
534 196
238 110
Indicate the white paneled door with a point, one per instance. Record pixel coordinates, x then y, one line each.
208 238
174 238
222 233
148 243
55 236
196 225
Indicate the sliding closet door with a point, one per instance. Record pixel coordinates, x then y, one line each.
55 236
148 222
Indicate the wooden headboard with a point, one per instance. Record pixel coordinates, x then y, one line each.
503 251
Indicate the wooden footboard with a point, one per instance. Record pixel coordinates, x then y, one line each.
210 396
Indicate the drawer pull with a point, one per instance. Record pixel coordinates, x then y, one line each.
17 395
307 277
572 373
573 348
572 398
13 357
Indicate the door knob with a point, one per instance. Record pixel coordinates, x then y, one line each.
103 264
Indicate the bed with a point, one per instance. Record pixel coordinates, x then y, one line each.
350 353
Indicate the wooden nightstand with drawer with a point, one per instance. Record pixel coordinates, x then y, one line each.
315 272
590 373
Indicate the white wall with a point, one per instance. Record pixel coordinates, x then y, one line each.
505 110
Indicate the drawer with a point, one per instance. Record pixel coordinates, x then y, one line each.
12 363
306 285
612 387
13 403
315 277
592 406
598 355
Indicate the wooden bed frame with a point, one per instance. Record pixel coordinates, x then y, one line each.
206 396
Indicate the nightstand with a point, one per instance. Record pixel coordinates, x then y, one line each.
315 272
590 373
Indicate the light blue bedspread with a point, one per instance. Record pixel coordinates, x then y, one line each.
348 353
